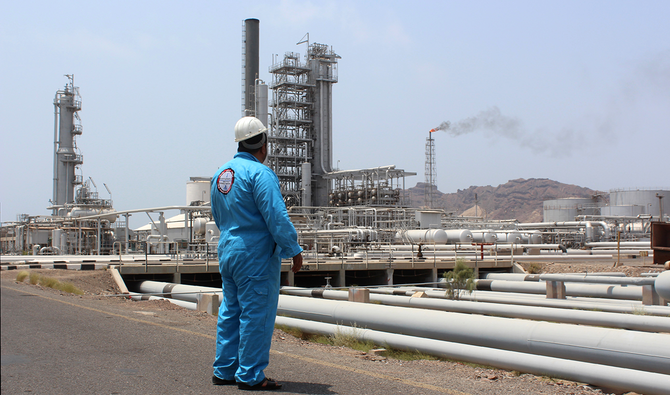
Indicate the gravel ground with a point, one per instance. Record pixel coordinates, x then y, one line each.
99 285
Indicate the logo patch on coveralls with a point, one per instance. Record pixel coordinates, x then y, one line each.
225 181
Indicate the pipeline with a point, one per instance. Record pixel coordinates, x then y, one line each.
614 347
596 318
589 290
607 376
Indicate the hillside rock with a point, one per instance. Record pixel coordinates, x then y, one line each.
518 199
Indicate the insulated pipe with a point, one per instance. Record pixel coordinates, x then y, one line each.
601 375
580 278
623 244
187 293
614 347
536 277
607 305
567 224
595 318
180 303
588 290
662 285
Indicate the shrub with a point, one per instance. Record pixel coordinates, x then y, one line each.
462 278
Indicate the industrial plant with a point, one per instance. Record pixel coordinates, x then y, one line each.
363 242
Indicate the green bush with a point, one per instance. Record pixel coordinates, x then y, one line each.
462 278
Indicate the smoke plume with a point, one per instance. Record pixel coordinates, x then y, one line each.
499 125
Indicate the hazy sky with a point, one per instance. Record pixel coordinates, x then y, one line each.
574 91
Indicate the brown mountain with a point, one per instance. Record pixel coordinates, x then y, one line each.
517 199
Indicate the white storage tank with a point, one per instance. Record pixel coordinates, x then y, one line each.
197 190
509 237
641 199
531 237
79 212
212 232
199 226
425 236
484 236
566 209
459 236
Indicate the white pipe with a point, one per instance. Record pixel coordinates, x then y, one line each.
662 285
614 347
607 305
567 224
580 278
536 277
607 376
624 244
180 303
588 290
187 293
596 318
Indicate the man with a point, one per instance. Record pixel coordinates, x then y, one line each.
256 233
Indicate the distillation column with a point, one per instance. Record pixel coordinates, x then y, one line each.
323 65
66 157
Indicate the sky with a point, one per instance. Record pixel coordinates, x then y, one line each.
574 91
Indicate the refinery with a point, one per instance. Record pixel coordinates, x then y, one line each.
364 243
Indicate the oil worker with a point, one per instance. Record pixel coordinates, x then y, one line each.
256 233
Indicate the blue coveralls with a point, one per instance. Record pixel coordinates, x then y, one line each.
256 233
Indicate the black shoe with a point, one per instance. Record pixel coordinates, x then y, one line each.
218 381
266 385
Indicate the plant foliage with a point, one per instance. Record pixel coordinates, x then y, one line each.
462 278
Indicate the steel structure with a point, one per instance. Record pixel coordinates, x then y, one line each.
302 123
67 157
378 186
431 172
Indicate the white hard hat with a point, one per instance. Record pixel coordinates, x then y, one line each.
248 127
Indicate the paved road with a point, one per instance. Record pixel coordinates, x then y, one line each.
54 344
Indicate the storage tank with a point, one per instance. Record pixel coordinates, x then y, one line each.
509 237
484 236
531 237
459 236
644 199
197 190
566 209
199 226
212 232
79 212
426 236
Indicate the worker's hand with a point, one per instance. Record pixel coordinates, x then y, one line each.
297 263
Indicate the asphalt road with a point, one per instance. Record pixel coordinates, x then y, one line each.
55 344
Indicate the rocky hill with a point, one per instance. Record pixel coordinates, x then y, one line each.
519 199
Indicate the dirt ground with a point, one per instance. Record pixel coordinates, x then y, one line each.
99 284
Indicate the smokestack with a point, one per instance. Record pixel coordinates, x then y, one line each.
251 65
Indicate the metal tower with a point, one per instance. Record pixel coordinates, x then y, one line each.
67 157
431 173
300 149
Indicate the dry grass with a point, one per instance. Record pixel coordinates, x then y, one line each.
49 282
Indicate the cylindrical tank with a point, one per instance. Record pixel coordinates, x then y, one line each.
531 237
199 226
211 232
640 199
459 236
79 212
484 236
415 236
566 209
197 190
508 237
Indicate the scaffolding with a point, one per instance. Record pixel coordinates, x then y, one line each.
301 123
